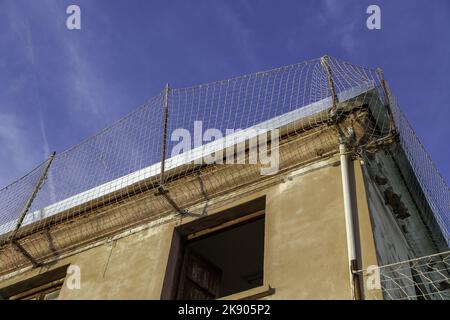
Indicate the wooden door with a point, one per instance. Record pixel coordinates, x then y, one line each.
199 278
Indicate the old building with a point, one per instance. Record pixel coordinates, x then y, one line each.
349 190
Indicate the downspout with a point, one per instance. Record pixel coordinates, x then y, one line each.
349 219
348 195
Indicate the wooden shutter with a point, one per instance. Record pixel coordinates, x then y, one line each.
199 279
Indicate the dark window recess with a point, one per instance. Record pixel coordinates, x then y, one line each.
233 258
217 255
45 286
45 292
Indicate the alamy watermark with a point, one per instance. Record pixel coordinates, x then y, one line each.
373 281
73 21
232 147
374 20
73 280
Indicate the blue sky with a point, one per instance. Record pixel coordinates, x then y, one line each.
58 87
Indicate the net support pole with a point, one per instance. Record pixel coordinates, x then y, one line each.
325 62
162 191
32 196
346 186
387 101
349 219
380 75
164 145
26 208
333 116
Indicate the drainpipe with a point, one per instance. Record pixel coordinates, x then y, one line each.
349 214
345 163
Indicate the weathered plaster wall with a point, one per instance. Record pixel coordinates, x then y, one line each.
391 244
128 268
403 225
401 218
305 246
306 255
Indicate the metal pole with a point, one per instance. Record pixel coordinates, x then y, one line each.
349 214
380 75
163 153
161 189
348 208
32 196
387 102
325 62
25 210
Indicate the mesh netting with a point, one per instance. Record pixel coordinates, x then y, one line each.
424 278
428 179
121 165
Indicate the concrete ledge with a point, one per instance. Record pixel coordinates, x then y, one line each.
251 294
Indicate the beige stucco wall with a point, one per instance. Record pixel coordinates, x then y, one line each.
305 252
128 268
305 246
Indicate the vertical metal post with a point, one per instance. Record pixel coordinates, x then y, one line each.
25 210
325 62
380 75
347 192
164 145
161 190
32 196
387 101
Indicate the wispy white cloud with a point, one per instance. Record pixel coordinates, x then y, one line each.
330 19
83 81
22 147
46 153
336 14
241 32
21 29
18 152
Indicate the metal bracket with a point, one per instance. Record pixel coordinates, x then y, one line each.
355 279
162 191
24 252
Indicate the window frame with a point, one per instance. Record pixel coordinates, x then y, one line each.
206 227
37 286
